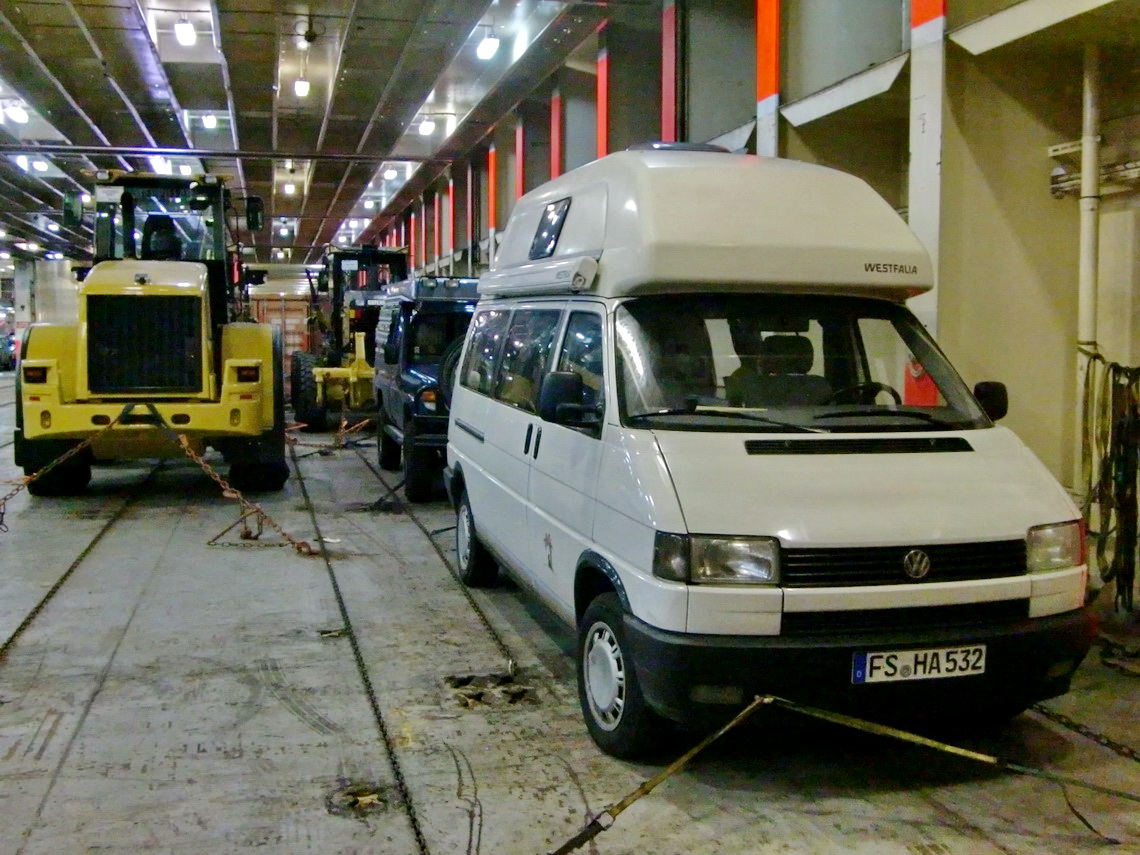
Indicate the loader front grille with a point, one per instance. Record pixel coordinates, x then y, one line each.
144 344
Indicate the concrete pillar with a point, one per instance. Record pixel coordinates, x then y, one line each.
25 304
580 118
719 85
629 95
927 97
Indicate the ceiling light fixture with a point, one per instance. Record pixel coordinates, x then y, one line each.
369 204
389 174
300 87
209 121
22 161
39 165
17 113
184 169
488 46
289 189
185 33
427 126
53 227
283 231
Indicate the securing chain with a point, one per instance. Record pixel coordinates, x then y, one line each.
63 458
1111 744
301 546
362 669
512 662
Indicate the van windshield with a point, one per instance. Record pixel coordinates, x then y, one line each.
784 363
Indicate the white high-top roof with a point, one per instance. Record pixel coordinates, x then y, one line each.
661 220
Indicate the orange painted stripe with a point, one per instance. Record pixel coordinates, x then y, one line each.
492 185
555 134
470 207
423 232
520 157
669 72
412 238
924 11
450 215
437 217
767 49
603 100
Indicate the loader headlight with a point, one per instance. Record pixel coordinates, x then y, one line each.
702 559
35 374
1055 547
248 373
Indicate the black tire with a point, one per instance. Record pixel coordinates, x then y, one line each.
260 465
419 469
387 449
616 714
67 479
477 568
304 393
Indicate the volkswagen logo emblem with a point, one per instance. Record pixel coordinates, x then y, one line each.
916 564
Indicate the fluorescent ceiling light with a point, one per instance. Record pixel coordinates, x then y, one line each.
290 188
389 174
5 255
161 165
53 227
283 231
343 239
184 169
352 224
426 127
301 87
185 33
22 162
488 46
209 121
39 165
17 114
369 204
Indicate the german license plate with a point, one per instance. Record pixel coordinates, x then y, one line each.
885 666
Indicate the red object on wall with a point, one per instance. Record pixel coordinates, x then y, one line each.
919 389
492 185
520 157
603 98
924 11
555 134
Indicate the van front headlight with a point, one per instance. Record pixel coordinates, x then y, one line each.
702 559
1055 547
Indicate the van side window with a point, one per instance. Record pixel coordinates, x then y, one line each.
525 356
479 364
582 354
549 228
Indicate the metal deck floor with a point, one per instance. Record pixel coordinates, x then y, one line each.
177 697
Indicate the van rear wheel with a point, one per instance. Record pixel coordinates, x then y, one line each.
477 569
617 716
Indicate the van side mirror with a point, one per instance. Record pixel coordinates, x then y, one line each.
993 397
560 401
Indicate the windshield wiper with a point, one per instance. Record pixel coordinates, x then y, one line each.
913 414
727 414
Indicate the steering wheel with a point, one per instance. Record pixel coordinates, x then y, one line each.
863 393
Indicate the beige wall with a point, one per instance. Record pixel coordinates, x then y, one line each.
1118 304
1007 309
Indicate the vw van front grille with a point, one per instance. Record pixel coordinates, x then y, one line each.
887 445
144 344
920 617
884 565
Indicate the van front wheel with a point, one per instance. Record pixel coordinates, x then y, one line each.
477 568
616 715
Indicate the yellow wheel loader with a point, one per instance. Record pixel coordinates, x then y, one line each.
157 351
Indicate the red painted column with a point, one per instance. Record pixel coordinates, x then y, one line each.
924 11
669 72
520 157
492 187
450 220
423 232
469 237
412 241
555 134
603 94
767 77
437 236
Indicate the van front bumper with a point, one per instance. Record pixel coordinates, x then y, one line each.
697 679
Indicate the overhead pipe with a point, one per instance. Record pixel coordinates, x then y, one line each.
1087 346
217 154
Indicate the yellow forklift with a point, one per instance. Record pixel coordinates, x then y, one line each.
158 348
335 375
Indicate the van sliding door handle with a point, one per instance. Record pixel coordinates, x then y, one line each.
526 445
537 440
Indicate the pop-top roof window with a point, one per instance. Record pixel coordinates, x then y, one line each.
549 228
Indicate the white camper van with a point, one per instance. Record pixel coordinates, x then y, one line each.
694 416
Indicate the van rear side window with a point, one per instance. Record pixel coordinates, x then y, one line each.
549 228
525 355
